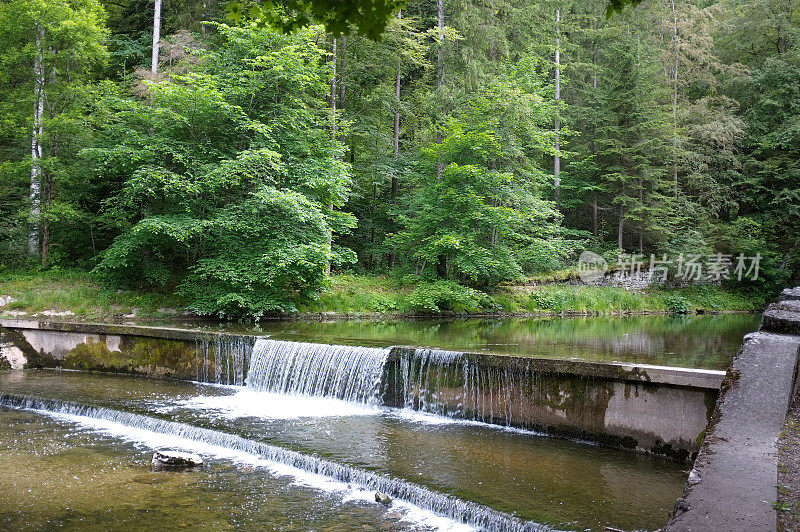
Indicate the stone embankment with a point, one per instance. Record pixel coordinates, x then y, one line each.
733 485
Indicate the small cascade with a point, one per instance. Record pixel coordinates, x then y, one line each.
467 512
338 371
449 383
223 359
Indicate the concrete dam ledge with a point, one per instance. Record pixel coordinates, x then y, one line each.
677 376
733 485
653 409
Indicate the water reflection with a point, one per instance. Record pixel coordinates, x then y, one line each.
689 341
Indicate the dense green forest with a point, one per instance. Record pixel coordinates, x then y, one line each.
470 143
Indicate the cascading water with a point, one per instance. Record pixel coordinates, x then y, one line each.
338 371
223 359
448 383
445 383
466 512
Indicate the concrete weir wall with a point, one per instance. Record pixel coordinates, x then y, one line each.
655 409
733 485
151 351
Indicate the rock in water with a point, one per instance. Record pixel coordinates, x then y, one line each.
382 498
175 461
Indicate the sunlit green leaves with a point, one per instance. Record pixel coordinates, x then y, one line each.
231 178
368 17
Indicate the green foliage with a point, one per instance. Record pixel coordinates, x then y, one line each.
369 17
230 180
223 193
475 224
69 40
445 295
677 304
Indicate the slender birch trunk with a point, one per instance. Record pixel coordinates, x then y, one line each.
343 85
675 45
557 156
594 131
156 37
36 143
334 62
440 72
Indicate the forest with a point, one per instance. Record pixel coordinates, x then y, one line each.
454 146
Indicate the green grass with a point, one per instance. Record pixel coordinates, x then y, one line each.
77 291
362 294
370 294
607 300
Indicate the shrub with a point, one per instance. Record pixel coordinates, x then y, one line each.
448 296
677 304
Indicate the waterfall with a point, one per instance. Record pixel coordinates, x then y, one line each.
508 391
339 371
223 359
469 513
449 383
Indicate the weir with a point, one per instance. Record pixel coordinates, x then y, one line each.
298 368
654 409
467 512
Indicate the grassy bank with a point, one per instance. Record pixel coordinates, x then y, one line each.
354 294
54 292
57 291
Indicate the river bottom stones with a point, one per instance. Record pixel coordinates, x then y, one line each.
175 461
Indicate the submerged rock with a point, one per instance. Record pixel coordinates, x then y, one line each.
681 506
382 498
175 461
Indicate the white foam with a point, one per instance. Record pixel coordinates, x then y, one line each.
415 416
268 405
408 512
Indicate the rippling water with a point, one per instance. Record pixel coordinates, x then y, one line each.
537 479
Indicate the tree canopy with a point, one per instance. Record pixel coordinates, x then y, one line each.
472 145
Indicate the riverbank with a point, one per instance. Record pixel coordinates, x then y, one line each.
74 294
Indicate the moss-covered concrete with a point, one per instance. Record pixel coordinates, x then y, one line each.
147 356
168 333
650 408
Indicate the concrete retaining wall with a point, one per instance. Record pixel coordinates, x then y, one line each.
654 409
733 485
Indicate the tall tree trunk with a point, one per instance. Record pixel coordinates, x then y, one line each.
440 50
156 37
36 143
342 84
334 61
676 47
557 156
47 194
593 143
620 227
396 135
342 53
440 73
